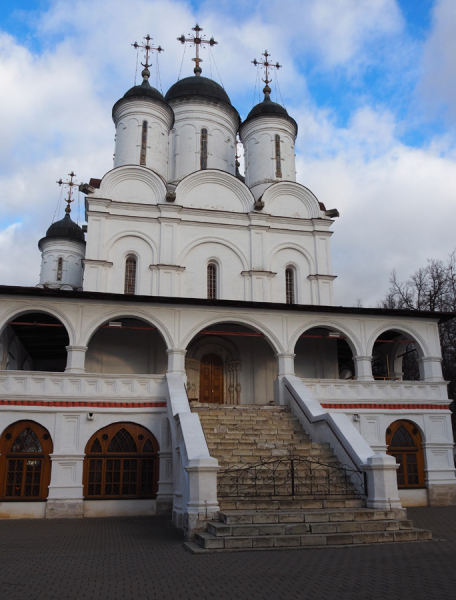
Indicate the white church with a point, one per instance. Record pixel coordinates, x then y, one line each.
182 353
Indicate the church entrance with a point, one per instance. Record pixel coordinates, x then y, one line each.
211 379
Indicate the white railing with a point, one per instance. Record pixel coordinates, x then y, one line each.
19 385
346 391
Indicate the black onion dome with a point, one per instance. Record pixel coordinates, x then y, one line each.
66 229
145 89
268 107
197 86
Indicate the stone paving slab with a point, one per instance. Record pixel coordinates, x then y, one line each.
143 559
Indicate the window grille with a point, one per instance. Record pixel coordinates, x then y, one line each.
130 275
143 143
203 148
289 286
211 281
277 157
59 269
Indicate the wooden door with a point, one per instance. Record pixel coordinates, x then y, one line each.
211 379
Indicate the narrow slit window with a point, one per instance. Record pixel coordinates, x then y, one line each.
290 286
130 275
211 281
59 269
277 156
143 143
203 149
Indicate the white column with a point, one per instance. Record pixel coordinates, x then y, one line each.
285 366
363 368
176 361
430 368
76 359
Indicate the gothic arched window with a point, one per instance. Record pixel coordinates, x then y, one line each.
277 157
130 275
212 280
290 285
24 462
59 269
121 462
404 443
203 149
143 144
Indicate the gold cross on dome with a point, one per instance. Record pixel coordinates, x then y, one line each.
147 47
70 185
267 65
197 41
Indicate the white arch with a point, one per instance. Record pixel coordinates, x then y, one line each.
131 233
206 240
129 312
289 246
294 190
351 338
129 173
422 347
231 189
248 321
42 308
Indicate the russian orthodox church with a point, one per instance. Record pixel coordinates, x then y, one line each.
195 301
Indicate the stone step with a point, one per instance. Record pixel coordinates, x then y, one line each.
284 503
247 517
207 541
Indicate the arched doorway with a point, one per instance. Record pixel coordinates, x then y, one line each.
121 463
25 464
404 443
211 379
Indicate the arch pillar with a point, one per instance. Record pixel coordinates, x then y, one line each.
75 359
176 360
430 368
363 368
285 366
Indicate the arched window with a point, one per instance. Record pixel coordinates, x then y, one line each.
404 443
59 269
277 157
290 285
24 462
130 275
203 149
121 462
211 280
143 143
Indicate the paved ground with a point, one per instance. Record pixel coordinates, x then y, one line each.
143 559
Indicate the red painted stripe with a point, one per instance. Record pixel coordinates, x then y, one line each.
83 404
390 406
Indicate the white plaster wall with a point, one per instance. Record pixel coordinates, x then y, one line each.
72 252
128 118
192 115
299 262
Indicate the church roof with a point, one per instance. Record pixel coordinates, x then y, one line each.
197 86
145 89
270 108
66 229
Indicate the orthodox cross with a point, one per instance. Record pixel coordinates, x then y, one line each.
196 40
267 65
147 47
70 185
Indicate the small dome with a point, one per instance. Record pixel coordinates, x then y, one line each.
197 86
66 229
145 89
267 107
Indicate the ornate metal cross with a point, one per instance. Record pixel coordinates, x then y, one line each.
267 65
147 47
197 40
70 185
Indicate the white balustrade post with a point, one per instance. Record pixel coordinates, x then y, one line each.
382 492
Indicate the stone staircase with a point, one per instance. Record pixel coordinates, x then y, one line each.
258 510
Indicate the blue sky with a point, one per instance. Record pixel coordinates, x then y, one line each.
371 84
